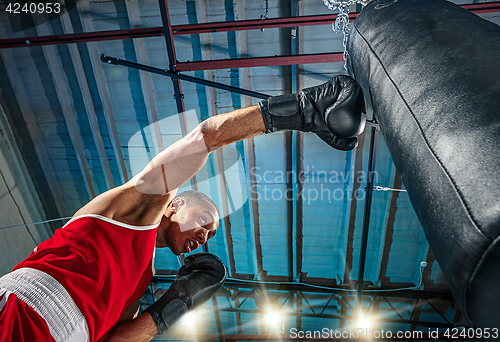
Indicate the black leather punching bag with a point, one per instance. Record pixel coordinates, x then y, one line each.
431 71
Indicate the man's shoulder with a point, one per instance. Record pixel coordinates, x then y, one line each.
106 203
127 205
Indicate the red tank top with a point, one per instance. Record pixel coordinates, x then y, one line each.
105 266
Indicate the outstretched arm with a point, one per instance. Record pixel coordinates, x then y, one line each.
140 329
182 160
142 200
333 110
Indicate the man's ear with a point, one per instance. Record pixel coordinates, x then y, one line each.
177 203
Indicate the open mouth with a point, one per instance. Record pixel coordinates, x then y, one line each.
191 245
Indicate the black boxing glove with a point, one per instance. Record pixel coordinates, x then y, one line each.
196 282
334 110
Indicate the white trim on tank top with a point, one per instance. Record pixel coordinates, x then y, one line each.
117 223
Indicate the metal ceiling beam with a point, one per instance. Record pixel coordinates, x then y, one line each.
384 316
252 189
294 152
262 61
298 153
147 85
239 324
88 103
318 315
218 157
61 85
358 170
249 148
163 72
430 259
87 37
490 7
417 310
291 203
298 145
215 304
343 312
388 313
107 108
339 290
172 59
389 230
261 24
258 24
147 32
366 216
218 320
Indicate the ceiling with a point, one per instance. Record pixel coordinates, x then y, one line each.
294 209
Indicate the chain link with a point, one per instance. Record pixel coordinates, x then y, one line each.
341 23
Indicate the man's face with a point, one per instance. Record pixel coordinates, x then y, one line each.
190 227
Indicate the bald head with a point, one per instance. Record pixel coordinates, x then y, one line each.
194 197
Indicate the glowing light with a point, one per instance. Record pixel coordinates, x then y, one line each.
189 320
364 322
273 319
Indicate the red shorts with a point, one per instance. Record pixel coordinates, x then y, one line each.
19 322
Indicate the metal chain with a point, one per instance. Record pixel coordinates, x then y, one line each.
341 23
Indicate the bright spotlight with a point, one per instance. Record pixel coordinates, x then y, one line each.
273 319
363 322
189 320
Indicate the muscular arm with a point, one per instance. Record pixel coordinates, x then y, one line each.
140 329
142 200
333 110
179 162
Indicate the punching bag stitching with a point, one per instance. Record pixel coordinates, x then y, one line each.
476 224
476 268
